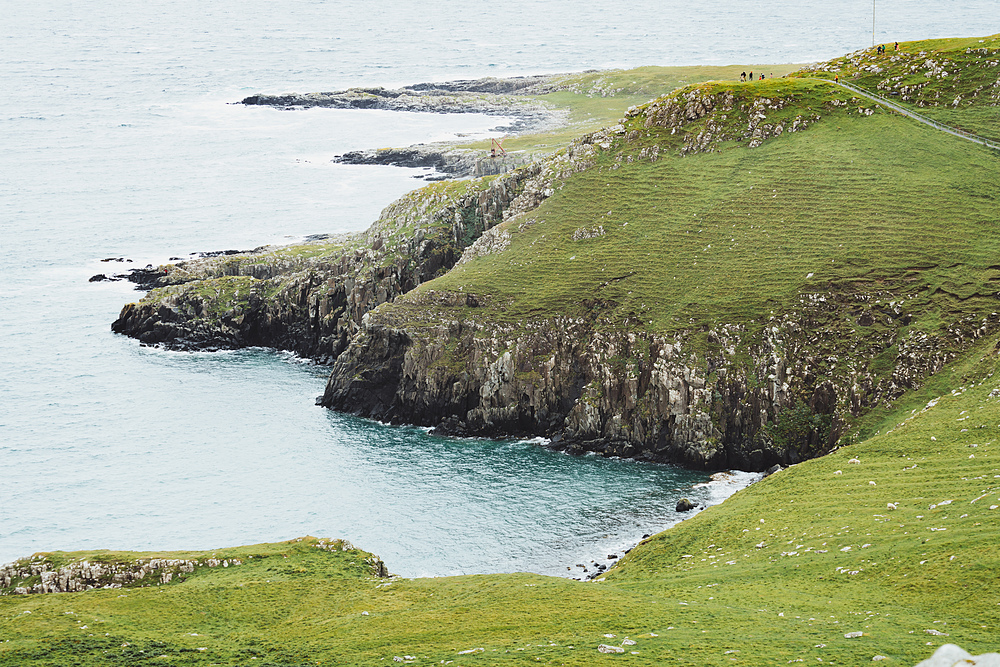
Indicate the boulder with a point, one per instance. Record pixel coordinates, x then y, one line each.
685 505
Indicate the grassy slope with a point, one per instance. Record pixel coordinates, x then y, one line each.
598 99
928 76
860 202
703 588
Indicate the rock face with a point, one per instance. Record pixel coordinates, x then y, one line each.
314 304
620 393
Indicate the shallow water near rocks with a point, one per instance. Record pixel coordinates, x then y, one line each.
120 140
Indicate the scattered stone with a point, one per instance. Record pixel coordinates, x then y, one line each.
853 635
604 648
472 650
936 633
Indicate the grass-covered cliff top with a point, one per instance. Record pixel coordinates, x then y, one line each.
954 81
780 572
598 99
729 202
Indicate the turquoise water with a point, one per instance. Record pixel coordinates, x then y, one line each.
118 139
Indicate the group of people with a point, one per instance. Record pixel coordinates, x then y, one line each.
881 48
744 77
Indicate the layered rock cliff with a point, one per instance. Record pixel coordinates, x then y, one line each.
732 397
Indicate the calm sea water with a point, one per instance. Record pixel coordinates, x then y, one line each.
117 139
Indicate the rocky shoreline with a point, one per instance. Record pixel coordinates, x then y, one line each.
490 96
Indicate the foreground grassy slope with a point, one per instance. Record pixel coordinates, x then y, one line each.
778 573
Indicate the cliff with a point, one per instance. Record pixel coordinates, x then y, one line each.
311 298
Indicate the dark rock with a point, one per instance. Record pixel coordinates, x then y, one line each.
685 505
612 556
100 277
773 469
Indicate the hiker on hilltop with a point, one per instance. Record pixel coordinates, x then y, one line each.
743 75
751 76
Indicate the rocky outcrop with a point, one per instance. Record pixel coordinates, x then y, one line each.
735 114
446 162
494 97
40 575
312 301
746 400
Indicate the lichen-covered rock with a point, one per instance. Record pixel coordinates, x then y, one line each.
754 399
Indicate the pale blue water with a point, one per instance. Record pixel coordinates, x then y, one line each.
116 139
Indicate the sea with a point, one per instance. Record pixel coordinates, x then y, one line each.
121 139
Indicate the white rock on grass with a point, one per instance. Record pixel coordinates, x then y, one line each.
604 648
853 635
949 655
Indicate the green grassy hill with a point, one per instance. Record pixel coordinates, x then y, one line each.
854 201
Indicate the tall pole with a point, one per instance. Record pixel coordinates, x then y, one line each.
873 23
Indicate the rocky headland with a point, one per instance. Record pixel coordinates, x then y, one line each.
710 391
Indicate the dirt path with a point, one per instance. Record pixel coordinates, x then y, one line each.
920 118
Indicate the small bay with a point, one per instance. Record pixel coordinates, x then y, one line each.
120 140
